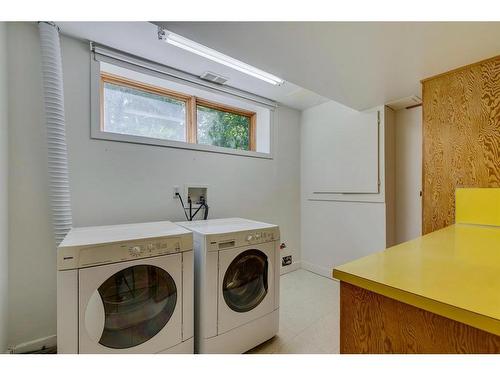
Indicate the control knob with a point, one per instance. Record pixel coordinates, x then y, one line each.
135 250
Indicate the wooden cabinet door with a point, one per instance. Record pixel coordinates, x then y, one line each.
461 137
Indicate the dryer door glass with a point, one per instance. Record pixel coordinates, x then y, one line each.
245 281
138 302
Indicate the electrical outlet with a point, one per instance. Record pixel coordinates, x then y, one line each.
176 191
286 261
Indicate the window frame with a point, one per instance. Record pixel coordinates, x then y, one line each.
192 102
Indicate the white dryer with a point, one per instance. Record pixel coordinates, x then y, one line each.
126 289
236 284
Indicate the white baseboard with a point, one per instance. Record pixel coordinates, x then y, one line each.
31 346
322 271
292 267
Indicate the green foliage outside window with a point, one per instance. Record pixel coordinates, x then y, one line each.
223 129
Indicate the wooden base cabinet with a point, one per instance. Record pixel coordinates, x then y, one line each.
374 324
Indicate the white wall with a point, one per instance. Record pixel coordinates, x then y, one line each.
408 174
3 190
32 253
346 227
116 182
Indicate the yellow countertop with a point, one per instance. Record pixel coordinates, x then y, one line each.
453 272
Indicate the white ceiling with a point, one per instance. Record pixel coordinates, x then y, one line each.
359 64
141 39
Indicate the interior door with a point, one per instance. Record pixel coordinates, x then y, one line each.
131 307
409 174
246 285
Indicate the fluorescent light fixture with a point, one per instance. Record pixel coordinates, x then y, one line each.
211 54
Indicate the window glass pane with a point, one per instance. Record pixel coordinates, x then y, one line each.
136 112
224 129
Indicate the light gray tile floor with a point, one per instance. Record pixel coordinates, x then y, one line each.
309 316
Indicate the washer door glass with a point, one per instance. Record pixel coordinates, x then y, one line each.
138 302
245 281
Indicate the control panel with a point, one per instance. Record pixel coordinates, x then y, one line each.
69 258
260 237
245 238
153 248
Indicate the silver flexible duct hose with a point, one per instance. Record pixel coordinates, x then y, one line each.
56 133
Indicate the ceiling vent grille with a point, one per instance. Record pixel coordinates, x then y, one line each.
215 78
408 102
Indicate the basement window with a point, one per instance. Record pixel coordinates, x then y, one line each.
137 108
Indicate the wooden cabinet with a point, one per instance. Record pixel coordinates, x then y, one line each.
461 137
374 324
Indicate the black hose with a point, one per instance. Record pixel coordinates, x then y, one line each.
199 208
191 215
183 208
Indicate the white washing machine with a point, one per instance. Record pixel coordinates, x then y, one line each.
237 273
126 289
